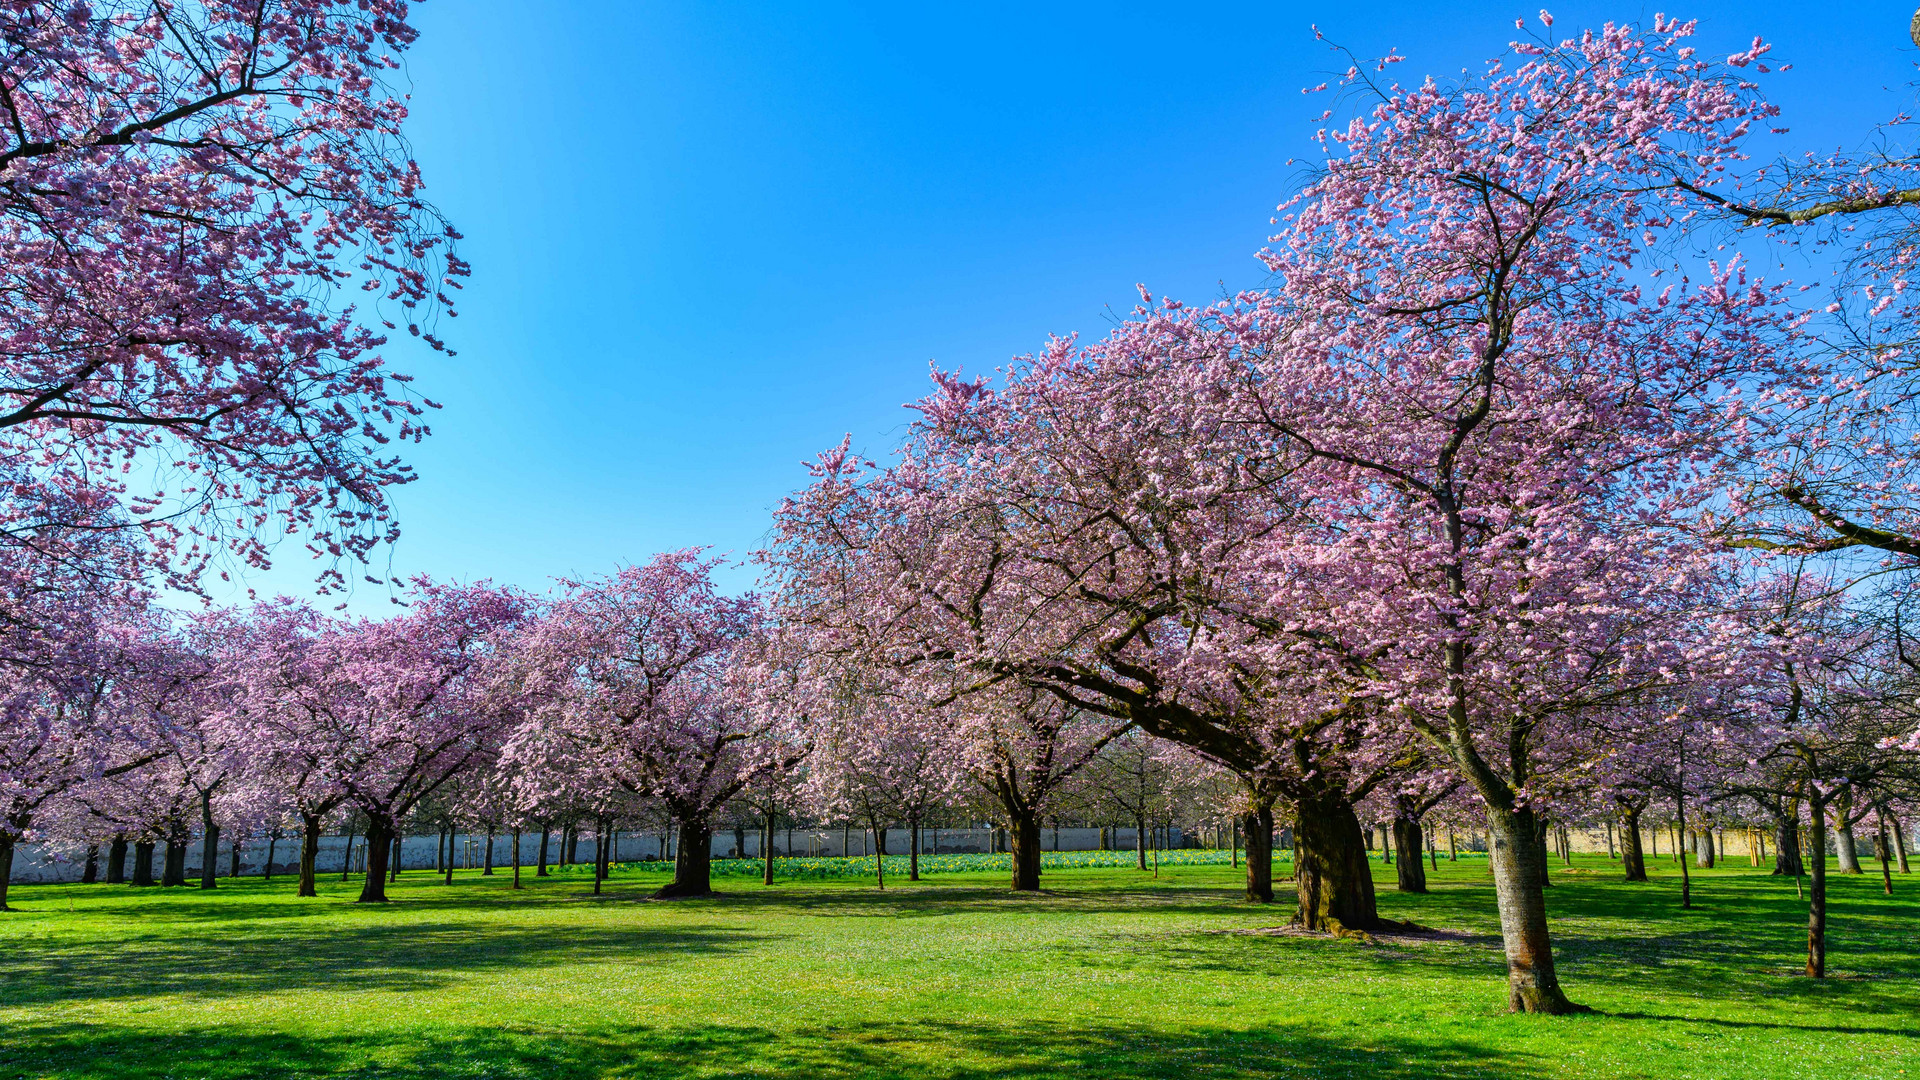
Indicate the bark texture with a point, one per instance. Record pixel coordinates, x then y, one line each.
693 862
1332 878
1518 861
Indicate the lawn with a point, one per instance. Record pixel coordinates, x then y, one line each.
1112 973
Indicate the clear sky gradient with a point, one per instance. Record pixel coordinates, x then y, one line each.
710 238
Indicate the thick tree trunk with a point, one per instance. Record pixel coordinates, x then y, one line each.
1407 838
373 890
143 862
1817 898
1026 849
1519 874
1332 879
1786 853
693 863
173 871
1846 848
92 872
1703 849
117 861
309 854
1632 859
1256 826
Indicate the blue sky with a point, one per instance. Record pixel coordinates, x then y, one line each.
709 239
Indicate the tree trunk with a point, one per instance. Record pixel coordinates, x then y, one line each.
143 862
1880 849
693 863
1140 840
1632 859
1332 879
546 834
1899 843
209 841
488 869
1026 849
6 867
516 858
1845 847
1519 877
233 856
117 861
1817 898
379 848
913 848
1703 854
346 861
92 872
394 858
309 854
1786 853
173 871
766 850
1407 838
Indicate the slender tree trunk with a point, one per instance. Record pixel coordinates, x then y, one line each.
1610 853
1140 840
309 855
546 834
6 867
1332 879
1025 843
92 872
117 861
1880 849
233 855
913 848
516 858
1680 839
1519 876
1817 900
1900 843
142 862
346 861
1632 859
693 863
487 871
1236 851
599 853
380 834
394 856
1407 838
766 849
273 842
1453 846
174 870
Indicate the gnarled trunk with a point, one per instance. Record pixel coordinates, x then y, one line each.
1333 881
309 855
1786 849
1025 845
1518 860
693 863
373 889
173 871
92 872
1407 838
1258 826
1632 859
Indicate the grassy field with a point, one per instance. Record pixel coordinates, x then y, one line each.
1110 974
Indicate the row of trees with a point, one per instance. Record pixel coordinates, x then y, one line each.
1503 496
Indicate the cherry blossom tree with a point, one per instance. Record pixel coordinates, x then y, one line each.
193 190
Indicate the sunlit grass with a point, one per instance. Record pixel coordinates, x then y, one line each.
1112 973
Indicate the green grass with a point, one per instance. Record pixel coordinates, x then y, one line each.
1111 974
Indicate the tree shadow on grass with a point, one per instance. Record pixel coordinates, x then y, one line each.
929 1050
401 956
